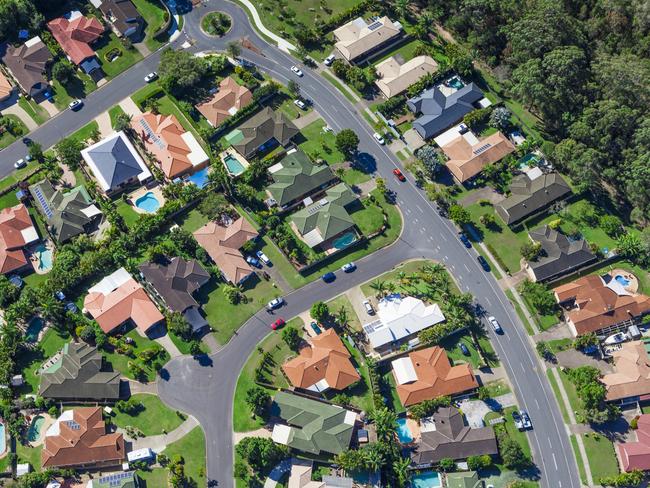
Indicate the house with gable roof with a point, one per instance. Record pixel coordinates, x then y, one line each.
229 99
28 64
16 231
76 34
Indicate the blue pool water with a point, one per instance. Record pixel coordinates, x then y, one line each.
148 202
403 432
456 83
235 168
622 280
428 479
3 440
34 431
200 178
33 329
344 241
44 256
529 159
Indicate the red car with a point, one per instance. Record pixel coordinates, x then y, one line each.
399 174
277 324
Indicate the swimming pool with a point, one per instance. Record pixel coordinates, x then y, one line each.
427 479
44 256
456 83
3 440
233 165
34 329
34 431
148 202
200 178
622 280
403 432
344 241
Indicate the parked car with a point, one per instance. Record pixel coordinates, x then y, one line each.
525 419
279 323
379 139
253 262
348 267
465 240
75 104
328 277
368 307
263 257
329 60
399 174
315 328
484 264
296 70
275 303
27 141
300 104
59 295
463 349
519 423
150 77
21 163
495 325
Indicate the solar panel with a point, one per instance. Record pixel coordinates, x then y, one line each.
44 205
315 208
482 148
374 26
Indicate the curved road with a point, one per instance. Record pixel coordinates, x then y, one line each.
205 389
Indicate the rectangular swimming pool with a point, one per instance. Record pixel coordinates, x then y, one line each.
426 479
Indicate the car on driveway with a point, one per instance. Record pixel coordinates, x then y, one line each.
75 104
463 349
21 163
253 262
368 307
150 77
399 174
484 264
519 423
495 325
379 139
315 328
465 240
279 323
329 60
275 303
300 104
296 70
348 267
328 277
525 419
263 257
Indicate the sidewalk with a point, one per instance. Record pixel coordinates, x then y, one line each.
159 442
283 44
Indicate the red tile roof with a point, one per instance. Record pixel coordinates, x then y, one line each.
16 230
230 98
76 35
636 455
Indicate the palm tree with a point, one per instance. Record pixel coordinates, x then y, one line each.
391 287
401 7
401 470
379 287
342 316
385 423
373 458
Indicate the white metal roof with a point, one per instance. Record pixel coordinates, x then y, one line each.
29 234
319 387
111 282
404 370
197 154
281 434
139 454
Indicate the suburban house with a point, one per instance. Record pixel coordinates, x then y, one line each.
398 321
296 178
122 16
438 108
464 479
78 439
16 231
176 150
264 130
600 304
636 455
67 214
326 223
630 381
445 435
324 364
395 76
311 426
301 472
226 102
75 34
559 254
6 88
174 283
27 63
427 374
358 38
222 244
123 479
531 192
115 163
468 155
78 373
118 299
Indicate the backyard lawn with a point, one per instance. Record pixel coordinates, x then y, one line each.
109 44
192 220
154 16
31 455
30 361
601 455
152 419
407 51
121 362
129 215
393 400
320 144
192 448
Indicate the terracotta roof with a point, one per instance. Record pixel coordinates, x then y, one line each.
434 377
16 230
223 243
598 302
5 86
395 77
467 160
631 376
76 35
230 98
79 438
176 149
636 455
27 63
118 298
325 359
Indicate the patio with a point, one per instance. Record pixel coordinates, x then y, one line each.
146 200
234 162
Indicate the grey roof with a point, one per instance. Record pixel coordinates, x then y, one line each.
530 196
27 64
561 254
453 439
78 374
261 128
115 160
437 111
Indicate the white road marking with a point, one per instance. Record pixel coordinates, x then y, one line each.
466 267
537 403
487 299
419 208
554 460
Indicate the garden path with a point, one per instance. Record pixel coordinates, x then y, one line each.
158 443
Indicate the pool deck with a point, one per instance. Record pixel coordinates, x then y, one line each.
46 425
143 190
34 258
231 152
633 285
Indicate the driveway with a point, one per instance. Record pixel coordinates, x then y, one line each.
476 410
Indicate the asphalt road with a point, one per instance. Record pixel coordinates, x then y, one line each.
205 388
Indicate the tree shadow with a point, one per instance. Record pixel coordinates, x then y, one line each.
364 162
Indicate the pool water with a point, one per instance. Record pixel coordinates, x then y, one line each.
344 241
403 432
3 440
200 178
34 431
456 83
529 159
428 479
33 329
148 202
622 280
45 256
235 168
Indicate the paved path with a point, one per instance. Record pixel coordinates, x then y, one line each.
211 341
136 387
305 120
104 123
129 107
476 410
159 442
19 112
166 342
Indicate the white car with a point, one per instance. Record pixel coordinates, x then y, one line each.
263 257
379 139
296 70
150 77
275 303
329 60
525 419
368 307
75 104
21 163
495 325
348 267
300 104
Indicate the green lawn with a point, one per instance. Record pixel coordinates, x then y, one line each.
85 132
31 455
120 361
556 392
9 200
286 269
393 400
14 177
408 268
35 111
154 16
113 113
544 322
145 92
339 86
192 448
343 301
35 279
579 461
79 87
496 388
407 51
320 144
354 176
184 346
520 312
572 395
452 345
129 215
154 477
21 129
513 432
127 58
30 361
192 220
368 217
154 418
601 455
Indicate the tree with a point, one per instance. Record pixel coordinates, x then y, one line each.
347 142
530 250
294 88
122 122
512 455
402 472
319 311
233 49
489 220
428 156
214 205
611 224
258 400
539 296
195 348
385 423
500 118
260 453
585 340
630 246
460 215
180 71
447 465
544 351
63 72
68 152
475 463
631 479
291 336
232 293
35 151
381 185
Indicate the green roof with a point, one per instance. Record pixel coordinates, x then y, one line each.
316 427
468 479
234 137
296 177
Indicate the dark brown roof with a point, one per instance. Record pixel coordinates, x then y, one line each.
453 439
121 13
27 62
261 128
